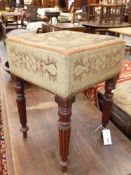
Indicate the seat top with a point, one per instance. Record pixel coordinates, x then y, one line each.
65 62
65 42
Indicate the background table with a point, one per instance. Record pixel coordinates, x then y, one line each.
15 15
92 27
68 26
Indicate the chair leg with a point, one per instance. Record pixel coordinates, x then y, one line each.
108 100
21 103
130 50
64 111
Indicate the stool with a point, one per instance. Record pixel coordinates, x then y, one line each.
52 14
64 63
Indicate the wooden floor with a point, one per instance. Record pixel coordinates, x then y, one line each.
39 153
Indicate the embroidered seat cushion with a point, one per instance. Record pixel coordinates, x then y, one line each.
65 62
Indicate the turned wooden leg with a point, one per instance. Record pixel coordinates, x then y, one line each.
21 103
108 100
64 111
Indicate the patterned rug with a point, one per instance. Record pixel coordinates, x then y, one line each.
3 166
3 163
125 75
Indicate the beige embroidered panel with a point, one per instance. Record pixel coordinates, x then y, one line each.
65 62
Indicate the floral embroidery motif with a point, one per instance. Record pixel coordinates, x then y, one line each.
34 63
95 63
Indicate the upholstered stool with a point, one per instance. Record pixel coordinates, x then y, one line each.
64 63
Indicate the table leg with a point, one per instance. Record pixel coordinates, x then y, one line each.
21 103
91 30
57 19
108 100
64 111
22 21
1 32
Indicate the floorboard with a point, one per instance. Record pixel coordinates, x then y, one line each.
39 153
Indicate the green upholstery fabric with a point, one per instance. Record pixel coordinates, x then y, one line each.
65 62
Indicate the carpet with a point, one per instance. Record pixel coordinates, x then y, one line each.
125 75
3 162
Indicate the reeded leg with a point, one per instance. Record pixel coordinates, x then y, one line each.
64 111
108 100
21 103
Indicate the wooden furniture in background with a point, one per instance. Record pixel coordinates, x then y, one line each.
78 17
128 11
11 18
2 5
93 12
0 29
11 21
52 14
51 3
32 15
71 9
112 13
92 27
37 3
68 26
106 13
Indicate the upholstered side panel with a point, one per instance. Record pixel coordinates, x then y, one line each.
65 62
44 68
92 67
